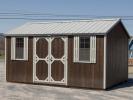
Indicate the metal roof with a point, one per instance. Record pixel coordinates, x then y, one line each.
98 26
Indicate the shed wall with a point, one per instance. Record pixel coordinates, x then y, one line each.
117 56
86 74
19 70
79 74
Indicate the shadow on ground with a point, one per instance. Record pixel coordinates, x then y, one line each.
126 84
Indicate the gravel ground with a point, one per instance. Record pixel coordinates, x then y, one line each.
17 91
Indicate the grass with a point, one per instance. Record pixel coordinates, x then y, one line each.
2 56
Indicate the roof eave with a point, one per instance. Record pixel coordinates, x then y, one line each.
65 34
119 20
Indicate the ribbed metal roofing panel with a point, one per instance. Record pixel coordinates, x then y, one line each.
101 26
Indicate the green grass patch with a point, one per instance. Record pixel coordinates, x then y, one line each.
2 56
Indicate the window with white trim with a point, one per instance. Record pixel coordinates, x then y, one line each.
19 48
85 49
19 54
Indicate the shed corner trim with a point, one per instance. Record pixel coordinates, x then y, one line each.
104 62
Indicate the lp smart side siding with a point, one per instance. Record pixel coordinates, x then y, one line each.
117 56
79 74
86 74
19 70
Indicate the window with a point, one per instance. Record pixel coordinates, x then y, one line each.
19 48
85 49
19 54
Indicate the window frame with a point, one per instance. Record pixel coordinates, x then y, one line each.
13 48
84 61
92 50
16 48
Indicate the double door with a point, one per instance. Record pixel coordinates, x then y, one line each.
50 60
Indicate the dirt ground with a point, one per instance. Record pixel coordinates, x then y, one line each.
17 91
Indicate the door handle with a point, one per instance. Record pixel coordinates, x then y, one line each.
51 59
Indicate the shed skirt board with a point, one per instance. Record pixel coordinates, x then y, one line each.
50 60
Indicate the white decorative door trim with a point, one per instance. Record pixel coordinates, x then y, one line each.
49 59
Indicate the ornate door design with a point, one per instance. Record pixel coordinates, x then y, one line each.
50 60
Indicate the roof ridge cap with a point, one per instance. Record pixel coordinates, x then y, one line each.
70 21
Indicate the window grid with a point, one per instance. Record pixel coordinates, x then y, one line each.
20 42
84 42
19 54
84 49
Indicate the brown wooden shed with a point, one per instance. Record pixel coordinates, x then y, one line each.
81 53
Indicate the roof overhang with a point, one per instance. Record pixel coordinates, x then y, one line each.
63 34
80 27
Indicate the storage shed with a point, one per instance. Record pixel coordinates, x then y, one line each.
81 53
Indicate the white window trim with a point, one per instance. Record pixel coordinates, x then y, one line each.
92 50
13 48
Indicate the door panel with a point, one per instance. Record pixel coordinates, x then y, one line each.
40 60
42 47
58 60
57 48
57 71
50 60
41 70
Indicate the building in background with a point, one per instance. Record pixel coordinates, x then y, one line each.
130 55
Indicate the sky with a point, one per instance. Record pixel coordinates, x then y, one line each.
80 8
